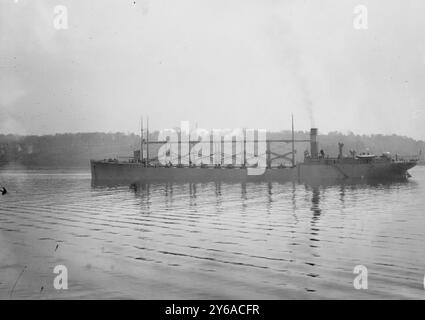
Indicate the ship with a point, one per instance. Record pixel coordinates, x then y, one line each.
317 167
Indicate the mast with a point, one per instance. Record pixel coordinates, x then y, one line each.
293 142
147 141
244 147
141 140
190 134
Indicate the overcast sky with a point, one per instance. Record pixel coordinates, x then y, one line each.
220 63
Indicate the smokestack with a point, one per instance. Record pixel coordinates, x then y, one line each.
313 143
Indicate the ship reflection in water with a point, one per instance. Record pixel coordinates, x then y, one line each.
210 240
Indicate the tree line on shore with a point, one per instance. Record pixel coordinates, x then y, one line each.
76 149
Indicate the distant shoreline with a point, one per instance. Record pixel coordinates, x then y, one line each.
19 166
74 151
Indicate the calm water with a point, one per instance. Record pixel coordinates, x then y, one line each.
277 241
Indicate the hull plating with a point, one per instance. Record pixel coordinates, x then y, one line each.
113 173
